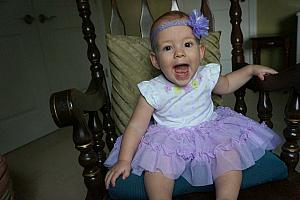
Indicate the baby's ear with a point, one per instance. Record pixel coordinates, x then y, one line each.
153 60
201 50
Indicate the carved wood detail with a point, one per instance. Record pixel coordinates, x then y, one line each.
291 149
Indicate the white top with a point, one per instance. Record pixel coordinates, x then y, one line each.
182 106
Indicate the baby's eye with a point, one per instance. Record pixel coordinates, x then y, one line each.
188 44
167 48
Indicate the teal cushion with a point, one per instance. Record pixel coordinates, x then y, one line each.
268 168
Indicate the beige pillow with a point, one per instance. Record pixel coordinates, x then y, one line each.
130 64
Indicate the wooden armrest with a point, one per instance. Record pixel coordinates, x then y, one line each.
283 80
66 105
68 108
288 78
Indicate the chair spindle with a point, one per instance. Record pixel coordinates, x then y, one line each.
88 157
95 126
291 149
108 126
237 52
264 108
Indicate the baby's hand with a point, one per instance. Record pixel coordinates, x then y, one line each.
261 71
121 167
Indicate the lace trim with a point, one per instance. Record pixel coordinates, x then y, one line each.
190 155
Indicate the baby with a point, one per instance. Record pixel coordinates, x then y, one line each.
188 137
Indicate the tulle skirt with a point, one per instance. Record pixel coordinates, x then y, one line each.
201 153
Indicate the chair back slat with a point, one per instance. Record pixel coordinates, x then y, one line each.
174 5
116 25
146 19
205 9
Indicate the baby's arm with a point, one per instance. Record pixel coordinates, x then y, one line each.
131 138
234 80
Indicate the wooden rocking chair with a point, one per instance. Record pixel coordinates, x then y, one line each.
91 127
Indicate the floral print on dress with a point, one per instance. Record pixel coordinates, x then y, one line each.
169 87
177 89
188 88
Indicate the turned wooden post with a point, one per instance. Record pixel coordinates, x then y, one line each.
264 105
237 52
264 108
95 126
88 159
65 113
88 31
109 126
92 180
291 149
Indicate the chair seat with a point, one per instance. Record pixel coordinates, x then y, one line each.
267 169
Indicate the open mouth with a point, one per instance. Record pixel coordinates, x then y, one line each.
181 71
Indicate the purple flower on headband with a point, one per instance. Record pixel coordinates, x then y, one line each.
196 21
199 23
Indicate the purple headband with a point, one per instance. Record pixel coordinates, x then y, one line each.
196 21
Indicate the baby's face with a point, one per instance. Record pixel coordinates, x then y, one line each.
178 54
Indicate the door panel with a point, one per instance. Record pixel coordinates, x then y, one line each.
11 73
63 46
24 105
38 59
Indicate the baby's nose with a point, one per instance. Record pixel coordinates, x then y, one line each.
179 52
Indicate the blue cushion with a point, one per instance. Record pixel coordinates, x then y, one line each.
268 168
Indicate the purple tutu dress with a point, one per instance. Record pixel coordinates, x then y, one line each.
199 143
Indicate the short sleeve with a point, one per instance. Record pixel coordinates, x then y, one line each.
212 71
148 91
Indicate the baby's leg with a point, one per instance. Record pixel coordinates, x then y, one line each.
228 185
158 186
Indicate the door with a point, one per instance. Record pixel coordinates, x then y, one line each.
220 10
41 51
62 42
22 76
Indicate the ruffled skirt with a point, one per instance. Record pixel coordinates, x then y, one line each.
201 153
